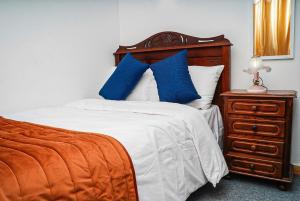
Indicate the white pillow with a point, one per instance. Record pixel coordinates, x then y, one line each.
140 91
152 94
205 80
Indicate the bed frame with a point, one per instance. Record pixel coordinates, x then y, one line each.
201 51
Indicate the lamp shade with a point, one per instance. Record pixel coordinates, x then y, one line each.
256 62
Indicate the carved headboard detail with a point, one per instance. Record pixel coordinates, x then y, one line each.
171 39
201 51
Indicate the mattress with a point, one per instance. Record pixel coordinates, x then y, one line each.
172 146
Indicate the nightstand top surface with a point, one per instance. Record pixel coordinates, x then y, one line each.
269 93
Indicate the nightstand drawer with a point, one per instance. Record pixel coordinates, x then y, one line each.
257 147
257 107
268 128
254 166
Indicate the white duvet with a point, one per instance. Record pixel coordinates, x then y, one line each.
172 147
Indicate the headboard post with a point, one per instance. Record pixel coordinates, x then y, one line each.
201 52
224 82
226 72
117 59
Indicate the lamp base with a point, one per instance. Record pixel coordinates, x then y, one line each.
257 89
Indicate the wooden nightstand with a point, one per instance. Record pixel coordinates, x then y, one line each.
257 136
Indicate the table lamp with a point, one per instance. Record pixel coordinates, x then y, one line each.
256 65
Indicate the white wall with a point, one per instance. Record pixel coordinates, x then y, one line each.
54 51
140 19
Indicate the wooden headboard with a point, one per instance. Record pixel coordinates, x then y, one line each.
201 51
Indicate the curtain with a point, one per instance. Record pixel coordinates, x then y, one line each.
272 19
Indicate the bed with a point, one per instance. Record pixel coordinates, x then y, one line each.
172 146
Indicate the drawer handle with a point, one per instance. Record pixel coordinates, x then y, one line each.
254 108
253 147
252 167
254 128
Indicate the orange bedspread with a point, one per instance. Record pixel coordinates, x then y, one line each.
43 163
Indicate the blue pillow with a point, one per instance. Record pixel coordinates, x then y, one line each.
173 80
124 78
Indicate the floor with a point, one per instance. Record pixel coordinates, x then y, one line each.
242 188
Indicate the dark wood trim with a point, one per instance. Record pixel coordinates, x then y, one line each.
283 179
201 52
170 40
268 94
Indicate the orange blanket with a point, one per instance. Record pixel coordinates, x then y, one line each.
43 163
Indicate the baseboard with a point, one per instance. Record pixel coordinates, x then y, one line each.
296 170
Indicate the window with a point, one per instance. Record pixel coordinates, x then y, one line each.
273 22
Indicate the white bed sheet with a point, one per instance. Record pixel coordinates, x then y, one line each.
172 146
214 119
